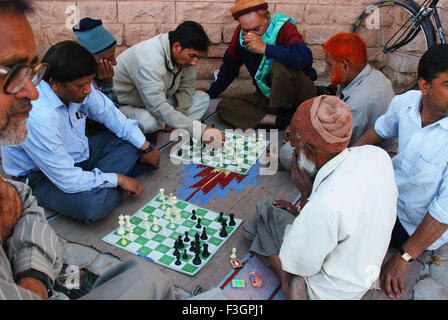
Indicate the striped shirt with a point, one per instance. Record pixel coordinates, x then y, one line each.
421 165
32 246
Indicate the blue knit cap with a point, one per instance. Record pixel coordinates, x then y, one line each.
93 36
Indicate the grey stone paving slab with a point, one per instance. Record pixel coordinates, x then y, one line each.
429 289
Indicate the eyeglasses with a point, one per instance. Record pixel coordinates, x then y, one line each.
17 76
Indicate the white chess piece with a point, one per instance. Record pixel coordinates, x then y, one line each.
164 205
127 218
238 167
162 194
120 230
148 231
145 220
168 213
164 231
172 225
155 227
233 255
178 216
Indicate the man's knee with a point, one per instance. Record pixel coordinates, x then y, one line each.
97 204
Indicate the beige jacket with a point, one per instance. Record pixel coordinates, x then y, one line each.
146 77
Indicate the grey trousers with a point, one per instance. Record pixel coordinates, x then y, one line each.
132 280
265 230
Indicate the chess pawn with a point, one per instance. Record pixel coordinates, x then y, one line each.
164 204
155 227
233 255
168 214
172 225
148 231
221 164
164 231
238 167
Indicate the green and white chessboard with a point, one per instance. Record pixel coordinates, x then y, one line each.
238 154
159 248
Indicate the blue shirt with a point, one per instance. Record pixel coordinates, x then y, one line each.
57 141
420 166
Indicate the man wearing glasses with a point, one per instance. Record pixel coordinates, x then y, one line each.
30 255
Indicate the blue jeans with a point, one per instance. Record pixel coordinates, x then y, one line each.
107 153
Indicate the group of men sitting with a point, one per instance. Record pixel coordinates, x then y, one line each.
355 200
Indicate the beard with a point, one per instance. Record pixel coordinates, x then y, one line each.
337 78
17 133
309 166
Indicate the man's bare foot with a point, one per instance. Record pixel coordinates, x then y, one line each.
168 128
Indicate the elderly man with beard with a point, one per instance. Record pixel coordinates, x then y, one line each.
30 256
334 246
366 91
30 252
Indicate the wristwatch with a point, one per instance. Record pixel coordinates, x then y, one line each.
405 256
147 150
39 276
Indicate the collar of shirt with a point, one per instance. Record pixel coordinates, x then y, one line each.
414 108
328 168
345 91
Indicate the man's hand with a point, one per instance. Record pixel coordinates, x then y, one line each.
286 205
152 157
213 137
131 186
254 43
392 276
301 179
10 210
105 71
35 286
286 133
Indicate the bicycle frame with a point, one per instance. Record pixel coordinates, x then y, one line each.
439 27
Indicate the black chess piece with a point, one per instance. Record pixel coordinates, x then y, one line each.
176 252
193 217
198 225
180 243
204 234
192 246
232 219
197 260
187 238
196 237
221 214
205 252
223 232
185 255
178 262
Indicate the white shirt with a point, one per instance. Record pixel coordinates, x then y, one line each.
421 165
341 236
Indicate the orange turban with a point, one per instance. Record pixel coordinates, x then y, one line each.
245 6
324 122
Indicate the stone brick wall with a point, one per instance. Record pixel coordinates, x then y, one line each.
134 21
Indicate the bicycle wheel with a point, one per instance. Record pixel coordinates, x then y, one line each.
391 24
